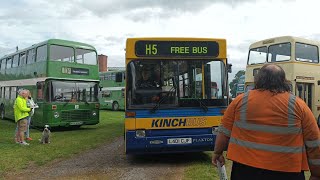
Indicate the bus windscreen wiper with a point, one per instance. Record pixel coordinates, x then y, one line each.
202 105
156 107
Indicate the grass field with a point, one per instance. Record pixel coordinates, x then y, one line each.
14 157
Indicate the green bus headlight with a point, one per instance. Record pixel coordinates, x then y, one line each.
55 114
94 113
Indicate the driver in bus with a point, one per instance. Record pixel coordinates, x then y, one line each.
147 83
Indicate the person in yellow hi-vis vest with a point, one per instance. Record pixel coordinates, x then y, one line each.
21 112
270 133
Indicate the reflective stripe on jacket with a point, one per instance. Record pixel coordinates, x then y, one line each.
20 108
271 132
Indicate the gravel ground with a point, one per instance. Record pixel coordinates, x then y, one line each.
110 162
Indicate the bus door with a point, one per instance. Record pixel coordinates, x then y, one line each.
304 91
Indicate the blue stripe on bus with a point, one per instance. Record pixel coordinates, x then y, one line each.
187 112
177 132
159 143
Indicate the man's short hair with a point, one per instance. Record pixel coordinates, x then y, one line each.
19 90
23 91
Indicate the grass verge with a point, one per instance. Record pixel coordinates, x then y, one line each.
204 169
64 144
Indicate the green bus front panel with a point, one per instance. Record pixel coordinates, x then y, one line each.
65 115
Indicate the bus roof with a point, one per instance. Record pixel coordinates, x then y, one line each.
54 41
176 38
282 39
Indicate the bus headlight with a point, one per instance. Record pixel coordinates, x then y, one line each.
55 114
140 133
214 130
94 113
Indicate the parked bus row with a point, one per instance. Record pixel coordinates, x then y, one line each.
174 90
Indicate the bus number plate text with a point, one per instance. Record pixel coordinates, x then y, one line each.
179 141
76 123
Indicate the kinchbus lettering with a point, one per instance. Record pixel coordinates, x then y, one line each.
168 122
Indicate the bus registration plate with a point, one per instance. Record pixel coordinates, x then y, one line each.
76 123
179 141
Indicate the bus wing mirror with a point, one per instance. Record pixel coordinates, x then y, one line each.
229 67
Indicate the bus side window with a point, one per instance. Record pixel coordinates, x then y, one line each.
9 63
31 56
13 93
22 59
119 77
40 90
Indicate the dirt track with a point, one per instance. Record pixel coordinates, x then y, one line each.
110 162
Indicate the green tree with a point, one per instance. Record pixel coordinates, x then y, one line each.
234 82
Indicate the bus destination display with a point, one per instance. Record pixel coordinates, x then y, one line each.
177 48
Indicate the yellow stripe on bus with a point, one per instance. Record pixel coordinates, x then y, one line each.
130 123
172 122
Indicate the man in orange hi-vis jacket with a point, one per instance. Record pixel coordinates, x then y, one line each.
270 133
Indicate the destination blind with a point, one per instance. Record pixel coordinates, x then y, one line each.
177 48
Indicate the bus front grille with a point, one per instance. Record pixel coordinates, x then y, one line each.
75 115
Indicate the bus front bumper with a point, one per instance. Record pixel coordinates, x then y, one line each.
168 144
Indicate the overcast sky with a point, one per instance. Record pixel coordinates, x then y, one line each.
107 23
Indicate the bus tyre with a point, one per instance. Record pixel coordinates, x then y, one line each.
115 106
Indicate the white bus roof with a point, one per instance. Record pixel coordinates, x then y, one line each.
282 39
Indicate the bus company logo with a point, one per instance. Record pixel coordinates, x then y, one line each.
182 122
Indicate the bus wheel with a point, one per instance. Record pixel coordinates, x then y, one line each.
115 106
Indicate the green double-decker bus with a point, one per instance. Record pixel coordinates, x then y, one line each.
112 86
63 78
